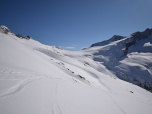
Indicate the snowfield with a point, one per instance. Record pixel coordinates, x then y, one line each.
41 79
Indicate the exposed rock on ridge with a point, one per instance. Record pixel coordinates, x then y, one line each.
114 38
4 29
134 38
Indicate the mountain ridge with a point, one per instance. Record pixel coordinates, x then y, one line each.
121 49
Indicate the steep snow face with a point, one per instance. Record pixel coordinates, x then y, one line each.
40 79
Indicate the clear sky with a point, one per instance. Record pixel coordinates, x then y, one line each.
74 24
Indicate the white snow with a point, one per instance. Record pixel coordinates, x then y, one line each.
147 44
41 79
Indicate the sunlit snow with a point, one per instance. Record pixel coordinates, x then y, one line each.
41 79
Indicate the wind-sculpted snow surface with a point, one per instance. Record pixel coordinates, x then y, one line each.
40 79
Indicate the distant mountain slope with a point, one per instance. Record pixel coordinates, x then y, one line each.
40 79
129 58
114 38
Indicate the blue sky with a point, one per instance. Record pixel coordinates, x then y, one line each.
74 24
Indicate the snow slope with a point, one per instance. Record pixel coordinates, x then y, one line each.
129 58
40 79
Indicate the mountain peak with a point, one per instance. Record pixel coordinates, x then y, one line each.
134 36
4 29
2 26
116 37
105 42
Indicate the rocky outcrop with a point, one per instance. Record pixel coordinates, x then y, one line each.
137 36
84 48
22 37
4 29
18 35
28 37
142 35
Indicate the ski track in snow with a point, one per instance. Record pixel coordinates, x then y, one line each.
37 76
11 74
115 103
19 87
56 106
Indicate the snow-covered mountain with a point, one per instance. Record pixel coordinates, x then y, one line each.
114 38
40 79
129 58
